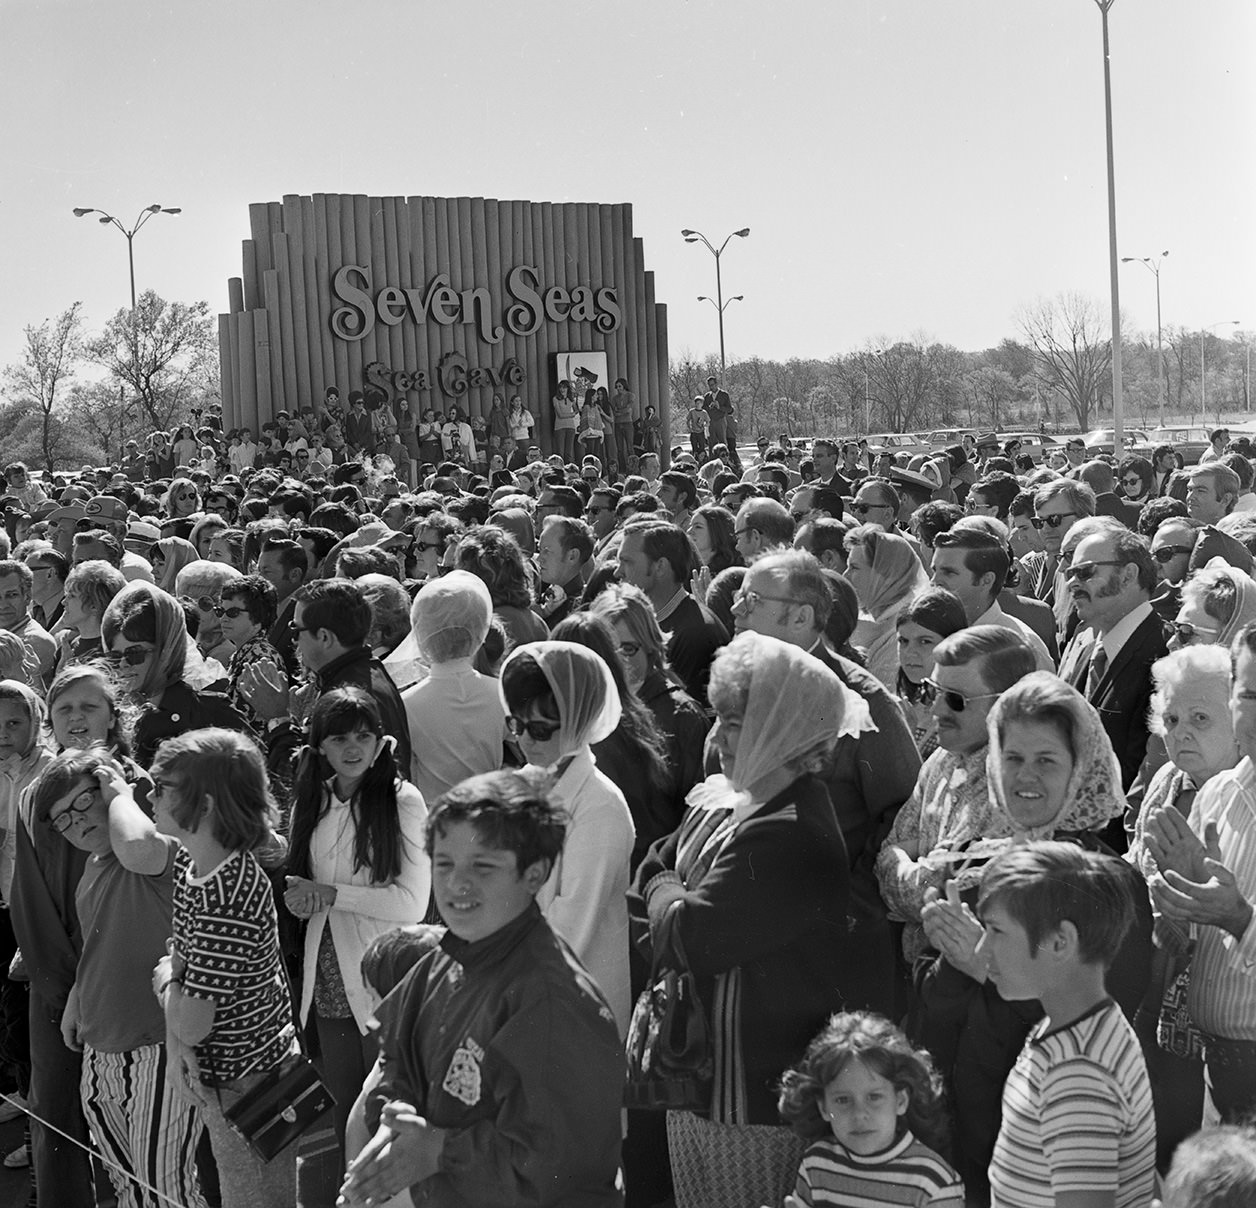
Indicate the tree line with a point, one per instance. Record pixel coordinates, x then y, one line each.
1057 370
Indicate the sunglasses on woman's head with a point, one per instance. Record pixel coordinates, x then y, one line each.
538 731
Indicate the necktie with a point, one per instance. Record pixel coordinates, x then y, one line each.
1098 665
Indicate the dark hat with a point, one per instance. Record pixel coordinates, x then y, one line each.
987 440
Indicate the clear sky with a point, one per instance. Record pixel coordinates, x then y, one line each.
905 166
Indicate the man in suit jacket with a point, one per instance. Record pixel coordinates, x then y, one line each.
1111 577
1099 477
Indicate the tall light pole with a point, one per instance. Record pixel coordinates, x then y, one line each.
144 215
1153 266
1117 401
876 352
699 237
1202 379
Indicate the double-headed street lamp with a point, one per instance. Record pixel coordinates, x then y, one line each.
718 302
1153 266
144 216
1202 379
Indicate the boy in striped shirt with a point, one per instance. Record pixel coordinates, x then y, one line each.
1078 1129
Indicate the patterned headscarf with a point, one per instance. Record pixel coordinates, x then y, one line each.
1094 794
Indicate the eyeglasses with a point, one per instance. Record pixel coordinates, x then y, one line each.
80 805
1166 553
595 509
957 702
1186 633
748 601
161 786
230 613
297 630
421 547
1134 483
630 650
1051 521
204 603
862 509
132 656
1083 572
538 731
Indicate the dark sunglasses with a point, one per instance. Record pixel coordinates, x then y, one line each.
230 613
538 731
1166 553
1186 633
297 630
957 702
1051 521
421 547
862 509
1083 572
132 656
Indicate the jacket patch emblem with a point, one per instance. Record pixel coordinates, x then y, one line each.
462 1079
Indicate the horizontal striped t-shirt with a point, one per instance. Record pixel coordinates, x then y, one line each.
226 931
1077 1116
908 1174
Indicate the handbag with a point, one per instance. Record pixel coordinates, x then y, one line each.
287 1101
670 1067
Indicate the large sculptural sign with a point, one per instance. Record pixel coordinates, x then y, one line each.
531 304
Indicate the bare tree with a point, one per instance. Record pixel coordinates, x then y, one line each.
47 365
165 353
1074 355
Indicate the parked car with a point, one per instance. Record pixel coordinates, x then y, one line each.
900 443
1188 443
1036 444
1102 440
943 437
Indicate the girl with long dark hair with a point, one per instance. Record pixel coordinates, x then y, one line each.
356 869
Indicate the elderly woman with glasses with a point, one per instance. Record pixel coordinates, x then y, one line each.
200 586
756 883
1217 602
886 573
145 635
560 699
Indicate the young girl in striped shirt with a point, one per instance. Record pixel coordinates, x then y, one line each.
872 1107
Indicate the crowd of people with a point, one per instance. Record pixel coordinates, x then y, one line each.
428 754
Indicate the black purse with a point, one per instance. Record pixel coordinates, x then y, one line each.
670 1066
288 1100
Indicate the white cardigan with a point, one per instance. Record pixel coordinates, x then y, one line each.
363 910
586 897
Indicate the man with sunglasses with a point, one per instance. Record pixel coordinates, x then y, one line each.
876 502
1111 577
950 804
1058 505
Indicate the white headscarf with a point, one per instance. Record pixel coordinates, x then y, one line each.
588 702
1244 599
896 575
793 704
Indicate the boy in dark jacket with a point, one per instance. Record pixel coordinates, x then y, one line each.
503 1069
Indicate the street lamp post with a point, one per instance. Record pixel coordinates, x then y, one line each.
1153 266
876 352
1117 401
144 215
719 303
1203 331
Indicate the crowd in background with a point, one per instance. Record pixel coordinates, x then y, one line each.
820 729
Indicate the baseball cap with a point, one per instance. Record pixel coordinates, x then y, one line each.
106 507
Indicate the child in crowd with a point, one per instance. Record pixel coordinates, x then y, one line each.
872 1106
1078 1124
502 1064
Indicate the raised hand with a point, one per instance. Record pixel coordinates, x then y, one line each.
1214 900
1173 845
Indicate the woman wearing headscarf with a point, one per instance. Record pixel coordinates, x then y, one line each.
1053 775
455 715
756 884
1217 602
886 573
560 699
170 555
144 632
